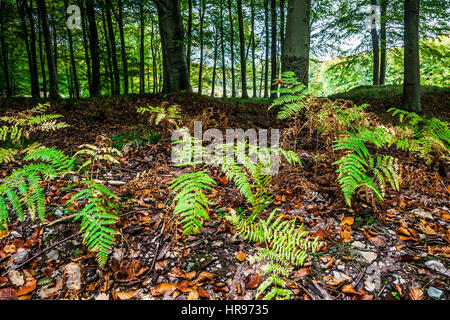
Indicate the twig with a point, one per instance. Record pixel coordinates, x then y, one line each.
42 252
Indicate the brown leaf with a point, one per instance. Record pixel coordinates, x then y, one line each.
416 294
204 294
348 288
253 281
118 295
347 221
303 272
205 276
193 294
163 288
8 294
241 256
29 286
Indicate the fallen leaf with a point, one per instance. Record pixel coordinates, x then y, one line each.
241 256
347 221
416 294
253 281
348 288
8 294
303 272
163 288
205 276
118 295
29 286
9 249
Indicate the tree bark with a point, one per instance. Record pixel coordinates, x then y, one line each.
53 81
35 77
216 40
266 57
222 49
252 5
122 48
383 44
142 49
189 37
273 55
233 79
109 72
297 42
242 51
112 41
202 9
72 60
4 50
41 58
375 52
86 44
176 75
94 49
411 81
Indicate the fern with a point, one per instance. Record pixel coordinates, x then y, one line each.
96 218
286 246
165 113
191 202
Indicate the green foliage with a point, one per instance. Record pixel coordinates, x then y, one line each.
293 96
96 218
358 168
191 202
423 136
286 247
167 113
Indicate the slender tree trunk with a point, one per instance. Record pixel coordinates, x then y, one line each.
4 51
411 81
297 42
266 57
54 91
252 5
154 66
35 77
189 37
222 49
282 24
41 58
233 79
215 63
176 75
142 49
94 49
242 50
109 72
274 55
55 42
72 60
86 44
383 44
112 41
22 11
202 9
375 51
122 48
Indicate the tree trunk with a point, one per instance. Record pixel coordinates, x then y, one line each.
4 51
109 73
266 57
154 66
122 48
242 50
189 38
274 55
93 46
202 9
176 75
86 45
375 51
216 37
55 42
72 60
112 40
297 42
54 91
35 77
142 48
411 81
253 49
383 44
41 58
222 49
233 80
282 24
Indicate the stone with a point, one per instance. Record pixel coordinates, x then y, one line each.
53 254
21 255
358 244
369 256
373 280
438 267
435 293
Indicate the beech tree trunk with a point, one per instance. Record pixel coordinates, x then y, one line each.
4 51
383 44
53 81
122 48
72 60
176 75
242 51
411 63
189 38
375 52
142 49
266 56
222 49
273 51
297 41
94 49
112 41
233 80
201 9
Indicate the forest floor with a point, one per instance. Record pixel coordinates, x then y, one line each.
401 252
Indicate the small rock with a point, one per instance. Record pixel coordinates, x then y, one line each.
217 243
15 234
59 212
53 254
21 255
358 244
438 267
190 266
369 256
435 293
422 213
72 273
